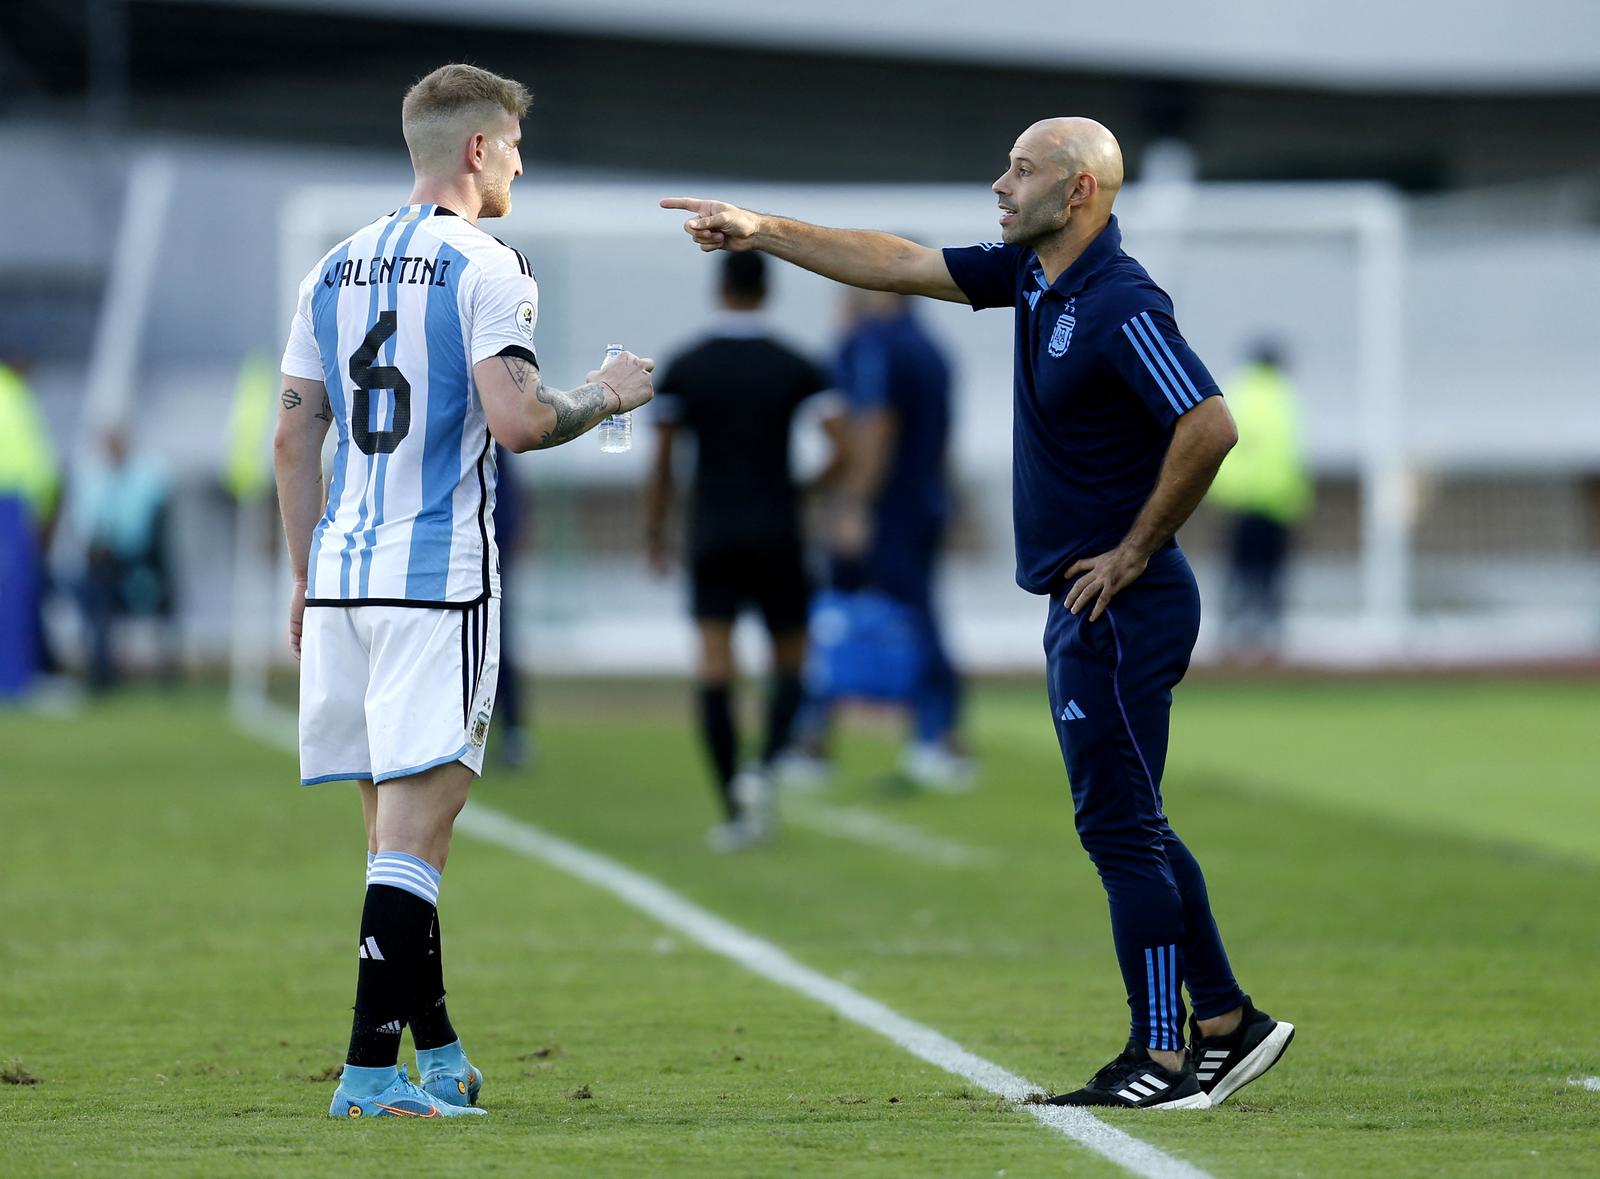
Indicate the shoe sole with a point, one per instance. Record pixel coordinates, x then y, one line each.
1198 1101
1194 1101
1266 1054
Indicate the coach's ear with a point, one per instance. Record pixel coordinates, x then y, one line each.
1083 189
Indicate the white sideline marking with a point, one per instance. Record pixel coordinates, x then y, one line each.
772 963
1585 1082
875 830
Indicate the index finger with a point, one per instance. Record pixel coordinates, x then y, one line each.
688 204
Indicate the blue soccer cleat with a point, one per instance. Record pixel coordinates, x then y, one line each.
456 1087
403 1099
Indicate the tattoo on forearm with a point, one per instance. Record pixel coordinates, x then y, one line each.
518 368
291 399
576 411
326 412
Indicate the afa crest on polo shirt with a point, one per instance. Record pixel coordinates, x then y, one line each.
1061 337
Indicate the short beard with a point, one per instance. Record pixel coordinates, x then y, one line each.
496 202
1025 234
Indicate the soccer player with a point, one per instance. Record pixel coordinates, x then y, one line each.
1118 430
737 391
413 337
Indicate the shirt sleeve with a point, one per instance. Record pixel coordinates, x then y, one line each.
301 357
668 403
1150 354
986 273
504 308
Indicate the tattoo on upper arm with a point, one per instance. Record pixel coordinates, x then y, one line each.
290 399
518 369
575 411
326 412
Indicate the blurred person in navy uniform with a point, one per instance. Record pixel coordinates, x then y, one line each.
890 518
737 392
1117 431
30 493
121 504
1266 490
514 744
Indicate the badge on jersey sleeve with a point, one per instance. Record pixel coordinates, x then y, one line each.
524 316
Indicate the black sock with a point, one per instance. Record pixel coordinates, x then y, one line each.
783 702
394 941
722 740
430 1021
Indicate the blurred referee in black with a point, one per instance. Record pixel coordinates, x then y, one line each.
737 391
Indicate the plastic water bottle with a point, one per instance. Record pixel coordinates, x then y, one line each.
616 431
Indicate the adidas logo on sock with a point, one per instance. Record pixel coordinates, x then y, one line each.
1072 712
369 949
392 1028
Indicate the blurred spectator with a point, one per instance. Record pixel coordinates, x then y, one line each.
737 392
513 743
1264 487
890 522
120 504
30 486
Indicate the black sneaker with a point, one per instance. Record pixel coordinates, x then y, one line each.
1225 1064
1134 1081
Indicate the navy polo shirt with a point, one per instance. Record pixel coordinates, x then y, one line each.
1102 377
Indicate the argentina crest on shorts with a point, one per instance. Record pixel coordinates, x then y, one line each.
1061 337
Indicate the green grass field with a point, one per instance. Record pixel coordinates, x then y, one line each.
1408 871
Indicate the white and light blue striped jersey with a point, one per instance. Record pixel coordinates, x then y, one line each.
391 321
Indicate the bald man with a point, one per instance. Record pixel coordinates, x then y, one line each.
1118 430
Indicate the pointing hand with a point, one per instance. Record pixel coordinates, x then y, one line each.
717 225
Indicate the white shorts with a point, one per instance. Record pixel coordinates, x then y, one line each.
387 691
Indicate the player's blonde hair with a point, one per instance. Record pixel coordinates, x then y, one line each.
455 99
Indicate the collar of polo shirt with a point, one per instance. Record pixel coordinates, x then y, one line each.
1094 257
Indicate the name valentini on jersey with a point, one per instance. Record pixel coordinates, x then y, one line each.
375 271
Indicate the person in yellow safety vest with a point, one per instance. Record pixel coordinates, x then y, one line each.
30 493
1264 486
247 471
28 467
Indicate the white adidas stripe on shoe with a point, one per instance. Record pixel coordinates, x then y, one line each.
1264 1056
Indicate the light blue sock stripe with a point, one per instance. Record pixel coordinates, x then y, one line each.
392 872
400 870
405 859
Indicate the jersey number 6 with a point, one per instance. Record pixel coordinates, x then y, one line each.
367 377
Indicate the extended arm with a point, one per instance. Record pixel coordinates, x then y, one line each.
524 413
1200 441
857 257
303 418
